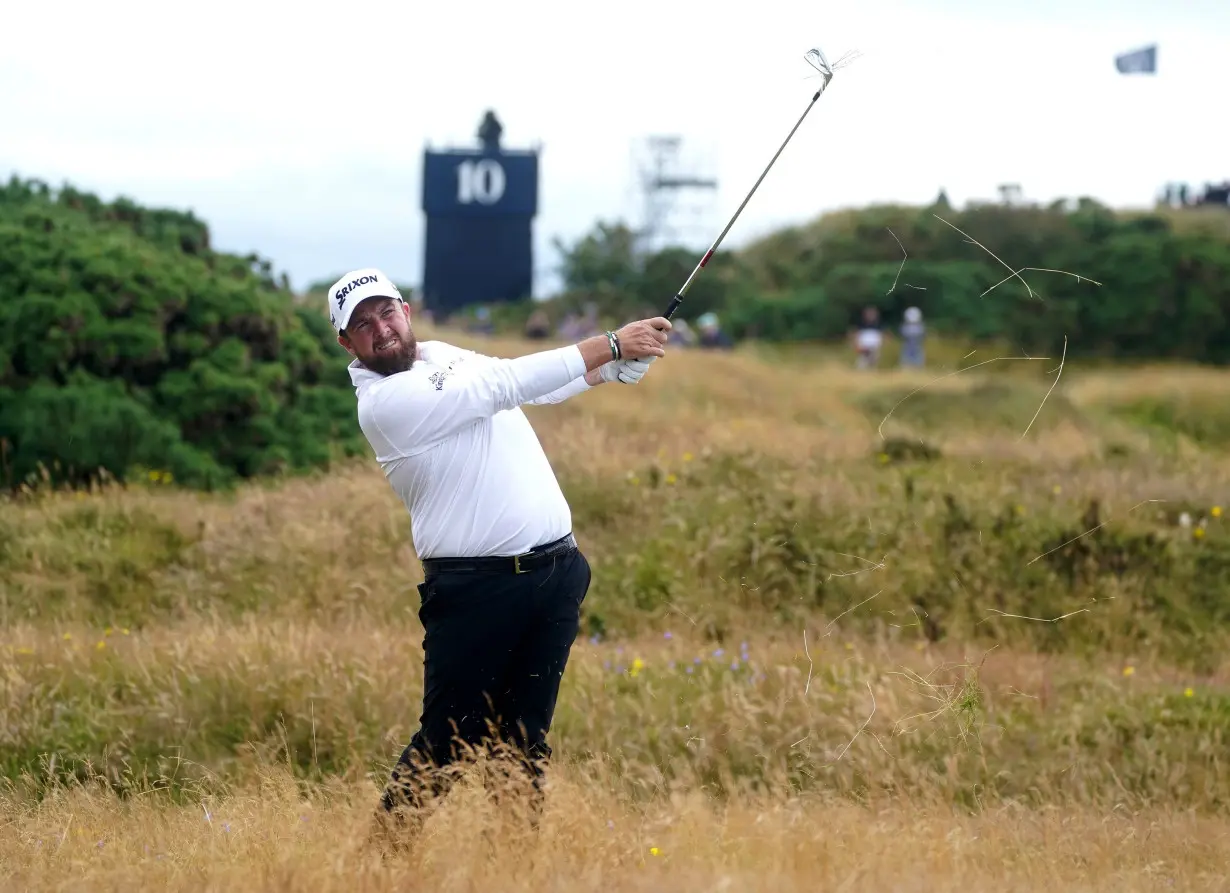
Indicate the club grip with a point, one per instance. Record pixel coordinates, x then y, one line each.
674 305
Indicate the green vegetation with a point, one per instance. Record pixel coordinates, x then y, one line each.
220 702
1141 285
129 346
1047 625
1039 618
948 554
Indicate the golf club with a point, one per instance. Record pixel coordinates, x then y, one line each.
816 59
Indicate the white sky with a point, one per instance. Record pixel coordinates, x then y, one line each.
298 134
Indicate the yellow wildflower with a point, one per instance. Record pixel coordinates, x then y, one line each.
1129 670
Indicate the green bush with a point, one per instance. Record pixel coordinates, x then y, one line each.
127 343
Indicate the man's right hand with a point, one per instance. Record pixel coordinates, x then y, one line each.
643 338
640 340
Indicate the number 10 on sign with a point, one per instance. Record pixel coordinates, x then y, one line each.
479 181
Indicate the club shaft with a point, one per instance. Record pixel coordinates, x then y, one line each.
678 299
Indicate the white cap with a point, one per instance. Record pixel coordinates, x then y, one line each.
912 314
353 289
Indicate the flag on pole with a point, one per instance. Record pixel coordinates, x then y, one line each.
1141 61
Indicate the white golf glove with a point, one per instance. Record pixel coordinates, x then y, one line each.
625 371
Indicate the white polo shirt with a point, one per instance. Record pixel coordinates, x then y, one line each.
456 447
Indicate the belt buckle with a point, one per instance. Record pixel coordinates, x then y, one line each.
517 565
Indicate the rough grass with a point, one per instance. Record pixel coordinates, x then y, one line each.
272 836
195 706
812 655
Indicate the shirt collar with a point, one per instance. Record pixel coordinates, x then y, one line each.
362 377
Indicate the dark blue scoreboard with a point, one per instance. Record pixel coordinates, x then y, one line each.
480 205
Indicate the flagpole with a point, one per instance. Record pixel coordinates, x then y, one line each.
1143 60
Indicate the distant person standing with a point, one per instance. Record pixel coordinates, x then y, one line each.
483 324
711 334
868 340
681 335
538 326
912 333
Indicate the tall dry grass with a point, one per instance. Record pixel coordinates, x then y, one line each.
274 836
215 702
206 690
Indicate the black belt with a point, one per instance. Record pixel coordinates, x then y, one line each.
502 564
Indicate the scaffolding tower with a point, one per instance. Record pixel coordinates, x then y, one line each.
677 201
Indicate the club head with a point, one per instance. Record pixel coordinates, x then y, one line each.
816 59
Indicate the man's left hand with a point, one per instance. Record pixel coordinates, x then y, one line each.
631 371
625 371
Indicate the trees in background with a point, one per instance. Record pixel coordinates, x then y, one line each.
1164 277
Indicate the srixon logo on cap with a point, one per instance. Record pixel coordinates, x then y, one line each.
351 286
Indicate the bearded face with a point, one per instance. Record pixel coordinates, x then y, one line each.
379 335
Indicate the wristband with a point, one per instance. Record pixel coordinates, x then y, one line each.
613 340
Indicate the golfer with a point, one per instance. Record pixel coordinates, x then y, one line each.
503 576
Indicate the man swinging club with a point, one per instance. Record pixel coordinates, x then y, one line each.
503 577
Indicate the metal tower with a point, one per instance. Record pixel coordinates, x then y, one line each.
676 201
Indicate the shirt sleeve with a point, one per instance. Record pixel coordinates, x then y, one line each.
413 411
559 395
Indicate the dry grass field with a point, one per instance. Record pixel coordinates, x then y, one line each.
847 631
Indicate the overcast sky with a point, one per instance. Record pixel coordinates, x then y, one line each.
299 134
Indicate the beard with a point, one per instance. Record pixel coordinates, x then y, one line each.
398 357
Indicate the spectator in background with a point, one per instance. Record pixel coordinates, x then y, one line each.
912 333
482 324
590 324
577 327
711 334
538 326
568 326
681 335
868 340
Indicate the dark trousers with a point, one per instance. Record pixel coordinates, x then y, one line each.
495 648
